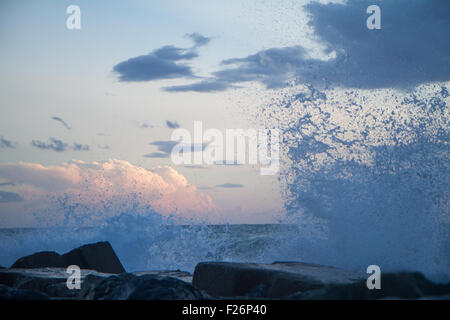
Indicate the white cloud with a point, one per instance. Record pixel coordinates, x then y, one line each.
97 190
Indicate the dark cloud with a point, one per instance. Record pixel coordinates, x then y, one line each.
204 86
165 148
172 124
80 147
145 125
198 39
411 48
58 145
167 62
230 185
157 155
6 196
149 67
54 144
4 143
60 120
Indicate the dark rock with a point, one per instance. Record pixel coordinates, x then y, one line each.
225 279
7 293
50 281
98 256
53 282
178 274
40 260
163 288
400 285
260 291
130 287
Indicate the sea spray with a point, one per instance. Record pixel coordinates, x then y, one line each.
366 176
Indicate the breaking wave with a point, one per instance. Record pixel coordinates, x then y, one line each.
366 176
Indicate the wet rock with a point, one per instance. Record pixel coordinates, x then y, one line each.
7 293
42 259
50 281
399 285
98 256
131 287
260 291
281 279
178 274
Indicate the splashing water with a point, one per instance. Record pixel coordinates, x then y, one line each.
366 176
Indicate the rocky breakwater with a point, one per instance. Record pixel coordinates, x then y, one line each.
43 275
304 281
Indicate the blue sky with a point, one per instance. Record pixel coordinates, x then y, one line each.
73 94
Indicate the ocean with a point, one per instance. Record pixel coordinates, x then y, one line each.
181 247
152 247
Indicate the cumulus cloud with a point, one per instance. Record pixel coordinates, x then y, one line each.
58 145
167 62
4 143
60 120
410 49
103 189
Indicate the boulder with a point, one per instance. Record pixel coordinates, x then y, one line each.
131 287
7 293
274 281
42 259
98 256
178 274
399 285
50 281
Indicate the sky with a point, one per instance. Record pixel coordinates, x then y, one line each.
88 113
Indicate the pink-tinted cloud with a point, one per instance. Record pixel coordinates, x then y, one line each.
97 190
